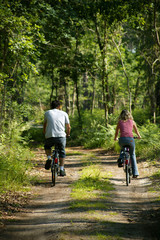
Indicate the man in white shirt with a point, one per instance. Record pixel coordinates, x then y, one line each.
56 127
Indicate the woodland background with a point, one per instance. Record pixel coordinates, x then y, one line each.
96 56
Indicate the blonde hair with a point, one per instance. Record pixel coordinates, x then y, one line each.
125 115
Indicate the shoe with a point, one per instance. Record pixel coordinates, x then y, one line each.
48 164
62 173
135 176
120 162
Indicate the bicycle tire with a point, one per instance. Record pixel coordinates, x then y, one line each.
127 175
130 175
53 175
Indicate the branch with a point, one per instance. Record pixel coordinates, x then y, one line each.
154 64
117 47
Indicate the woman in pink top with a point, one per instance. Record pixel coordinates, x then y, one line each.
125 126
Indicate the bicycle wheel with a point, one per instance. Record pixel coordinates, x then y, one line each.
127 175
130 173
53 170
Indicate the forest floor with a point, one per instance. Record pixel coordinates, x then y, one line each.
133 212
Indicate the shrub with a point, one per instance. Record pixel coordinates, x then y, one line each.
141 116
14 158
149 146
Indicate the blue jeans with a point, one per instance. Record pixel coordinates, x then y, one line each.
131 142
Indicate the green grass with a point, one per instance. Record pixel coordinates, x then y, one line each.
92 187
101 236
73 153
155 178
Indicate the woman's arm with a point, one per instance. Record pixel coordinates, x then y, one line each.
136 130
116 133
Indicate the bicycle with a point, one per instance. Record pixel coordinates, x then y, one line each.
126 162
127 167
55 165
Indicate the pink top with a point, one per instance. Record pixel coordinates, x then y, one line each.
126 128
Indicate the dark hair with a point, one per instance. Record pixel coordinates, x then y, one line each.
55 104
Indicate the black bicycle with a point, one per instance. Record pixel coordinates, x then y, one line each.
55 165
127 166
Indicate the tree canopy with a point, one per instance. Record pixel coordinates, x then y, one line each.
89 54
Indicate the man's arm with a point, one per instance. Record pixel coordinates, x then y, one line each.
68 129
44 127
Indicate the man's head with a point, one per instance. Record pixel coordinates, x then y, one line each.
55 104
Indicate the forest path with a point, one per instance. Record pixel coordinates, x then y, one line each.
132 211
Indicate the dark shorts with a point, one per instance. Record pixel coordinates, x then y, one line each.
59 141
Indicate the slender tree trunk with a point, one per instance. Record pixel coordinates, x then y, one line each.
52 87
104 93
102 47
125 73
136 93
86 102
77 102
155 22
75 78
113 100
93 96
5 51
2 116
66 96
152 94
158 96
73 99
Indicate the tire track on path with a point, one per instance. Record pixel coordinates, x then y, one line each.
49 217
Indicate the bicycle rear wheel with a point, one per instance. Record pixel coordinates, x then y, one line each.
54 174
127 175
130 173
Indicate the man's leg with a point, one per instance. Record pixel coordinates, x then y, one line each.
62 170
47 146
61 162
48 152
62 153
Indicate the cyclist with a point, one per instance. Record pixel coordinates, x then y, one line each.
56 126
125 126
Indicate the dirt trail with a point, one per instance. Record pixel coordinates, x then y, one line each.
131 213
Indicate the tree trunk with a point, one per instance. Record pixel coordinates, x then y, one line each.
152 94
66 96
77 103
75 79
102 46
2 116
73 99
135 94
52 87
93 96
125 73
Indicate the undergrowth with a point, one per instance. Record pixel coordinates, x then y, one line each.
14 159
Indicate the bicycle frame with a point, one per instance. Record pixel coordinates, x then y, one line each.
127 164
55 165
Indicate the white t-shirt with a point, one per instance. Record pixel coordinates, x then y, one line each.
56 120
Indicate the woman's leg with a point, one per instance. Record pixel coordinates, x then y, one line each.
133 158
